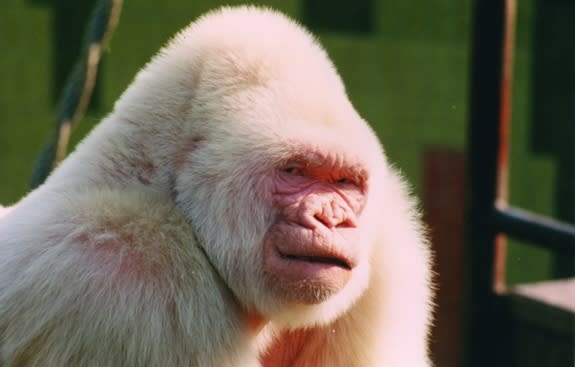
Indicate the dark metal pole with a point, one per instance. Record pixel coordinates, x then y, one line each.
487 333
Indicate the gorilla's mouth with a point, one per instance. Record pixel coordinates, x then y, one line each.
327 260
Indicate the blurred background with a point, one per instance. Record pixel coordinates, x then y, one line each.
408 70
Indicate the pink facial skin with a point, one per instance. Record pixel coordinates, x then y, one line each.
312 248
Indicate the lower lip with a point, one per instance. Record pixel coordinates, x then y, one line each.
315 260
301 270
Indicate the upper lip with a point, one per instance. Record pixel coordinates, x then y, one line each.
318 246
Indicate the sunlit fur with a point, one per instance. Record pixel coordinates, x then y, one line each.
143 248
4 211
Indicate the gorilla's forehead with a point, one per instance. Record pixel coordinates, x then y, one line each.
270 120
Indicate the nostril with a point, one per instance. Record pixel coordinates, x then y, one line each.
323 220
325 213
348 223
333 222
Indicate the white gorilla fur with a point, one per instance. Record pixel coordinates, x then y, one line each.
143 248
4 211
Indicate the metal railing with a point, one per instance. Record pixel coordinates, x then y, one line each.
488 327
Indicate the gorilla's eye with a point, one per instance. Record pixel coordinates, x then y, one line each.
343 181
293 170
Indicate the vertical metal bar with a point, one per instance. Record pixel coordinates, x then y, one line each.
486 328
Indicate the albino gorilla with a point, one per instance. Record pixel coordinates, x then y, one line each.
233 210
